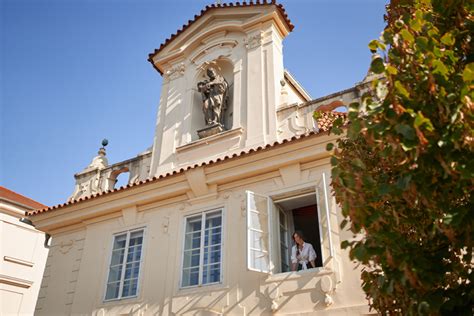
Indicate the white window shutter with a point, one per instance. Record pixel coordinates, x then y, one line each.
322 199
258 232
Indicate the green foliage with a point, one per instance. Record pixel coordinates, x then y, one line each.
404 173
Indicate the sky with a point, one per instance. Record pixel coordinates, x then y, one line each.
73 72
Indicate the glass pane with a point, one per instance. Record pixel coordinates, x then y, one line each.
138 253
193 224
134 287
117 257
192 240
191 258
260 260
213 219
257 240
136 238
211 274
112 290
190 277
126 288
120 241
115 273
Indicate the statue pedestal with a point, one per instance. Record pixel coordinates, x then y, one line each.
210 130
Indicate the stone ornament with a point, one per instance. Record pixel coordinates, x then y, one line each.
214 92
176 71
253 41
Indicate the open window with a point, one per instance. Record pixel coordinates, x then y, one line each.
271 222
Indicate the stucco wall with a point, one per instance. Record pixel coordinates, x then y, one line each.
80 259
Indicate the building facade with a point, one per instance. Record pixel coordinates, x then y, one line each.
204 226
22 255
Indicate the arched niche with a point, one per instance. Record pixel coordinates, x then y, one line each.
225 68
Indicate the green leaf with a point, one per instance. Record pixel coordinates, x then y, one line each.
401 89
439 67
448 39
407 36
358 163
377 66
422 42
391 70
373 45
468 73
421 120
329 146
317 115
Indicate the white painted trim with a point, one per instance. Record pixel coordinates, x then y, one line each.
15 281
19 261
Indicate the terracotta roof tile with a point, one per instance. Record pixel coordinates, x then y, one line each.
211 7
324 124
21 199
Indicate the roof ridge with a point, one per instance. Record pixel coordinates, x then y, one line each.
19 198
210 7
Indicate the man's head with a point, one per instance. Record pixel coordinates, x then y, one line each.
211 72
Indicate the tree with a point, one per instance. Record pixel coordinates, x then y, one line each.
403 174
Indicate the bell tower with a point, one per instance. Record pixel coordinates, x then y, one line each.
222 75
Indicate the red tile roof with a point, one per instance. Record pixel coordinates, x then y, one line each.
324 124
211 7
18 198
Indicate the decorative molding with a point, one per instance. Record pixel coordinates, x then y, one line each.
6 279
165 224
18 261
175 72
327 288
253 41
213 52
65 247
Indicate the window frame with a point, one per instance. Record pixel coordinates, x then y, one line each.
122 277
201 249
320 186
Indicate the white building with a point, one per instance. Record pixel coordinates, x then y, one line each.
204 226
22 255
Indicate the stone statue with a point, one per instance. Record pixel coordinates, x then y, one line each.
214 94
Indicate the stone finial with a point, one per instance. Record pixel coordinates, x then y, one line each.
100 161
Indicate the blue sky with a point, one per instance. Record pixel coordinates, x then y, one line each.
73 72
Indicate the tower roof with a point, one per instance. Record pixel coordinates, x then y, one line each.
213 7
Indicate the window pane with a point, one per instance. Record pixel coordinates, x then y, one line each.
126 288
190 277
115 274
117 257
193 224
259 259
213 219
120 241
192 240
112 290
191 258
211 274
136 238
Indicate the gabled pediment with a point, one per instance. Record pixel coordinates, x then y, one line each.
219 18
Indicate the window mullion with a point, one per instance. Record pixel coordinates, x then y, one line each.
201 248
122 276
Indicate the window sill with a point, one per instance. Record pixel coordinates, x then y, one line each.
118 300
293 275
202 288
